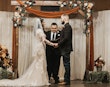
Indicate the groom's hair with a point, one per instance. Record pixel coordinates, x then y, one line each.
65 17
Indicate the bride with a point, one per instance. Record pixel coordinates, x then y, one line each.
36 74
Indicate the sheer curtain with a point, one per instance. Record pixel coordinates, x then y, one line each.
26 34
27 44
6 26
102 37
79 49
78 56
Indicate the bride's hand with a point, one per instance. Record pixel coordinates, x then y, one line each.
55 45
52 44
44 40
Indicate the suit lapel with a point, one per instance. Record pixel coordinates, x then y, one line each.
49 35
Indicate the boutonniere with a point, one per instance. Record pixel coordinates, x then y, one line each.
58 34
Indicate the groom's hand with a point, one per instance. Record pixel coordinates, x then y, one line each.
55 45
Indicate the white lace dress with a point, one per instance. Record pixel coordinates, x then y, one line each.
36 74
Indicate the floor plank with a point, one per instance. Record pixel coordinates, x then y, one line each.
81 84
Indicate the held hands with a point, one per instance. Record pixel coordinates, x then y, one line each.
55 45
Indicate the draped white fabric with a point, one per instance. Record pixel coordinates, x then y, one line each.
25 43
102 36
101 41
25 46
36 74
6 26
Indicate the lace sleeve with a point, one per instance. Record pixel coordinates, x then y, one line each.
48 42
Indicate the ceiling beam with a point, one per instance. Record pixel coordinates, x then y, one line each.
39 3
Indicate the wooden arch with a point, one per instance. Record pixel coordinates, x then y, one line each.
89 38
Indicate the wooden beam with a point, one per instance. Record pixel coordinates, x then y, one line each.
39 3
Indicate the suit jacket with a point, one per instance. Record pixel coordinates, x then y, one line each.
48 36
49 49
65 42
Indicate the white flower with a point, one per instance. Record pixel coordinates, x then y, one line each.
88 10
61 5
30 3
85 4
88 23
16 14
15 25
101 58
79 2
70 2
58 34
88 15
64 3
75 5
25 5
90 5
96 63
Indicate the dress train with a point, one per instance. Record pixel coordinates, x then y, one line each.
36 74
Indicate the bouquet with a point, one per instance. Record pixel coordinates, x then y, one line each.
99 63
5 60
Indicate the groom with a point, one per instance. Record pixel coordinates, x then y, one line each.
65 45
53 54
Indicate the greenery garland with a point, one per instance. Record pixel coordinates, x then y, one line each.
20 13
85 10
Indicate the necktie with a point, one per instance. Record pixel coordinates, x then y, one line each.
53 36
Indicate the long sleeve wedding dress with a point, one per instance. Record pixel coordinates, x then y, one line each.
36 74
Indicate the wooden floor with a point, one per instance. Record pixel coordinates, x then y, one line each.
81 84
73 84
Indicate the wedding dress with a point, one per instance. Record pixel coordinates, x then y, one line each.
36 74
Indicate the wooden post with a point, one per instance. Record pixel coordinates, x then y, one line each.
87 56
91 66
15 51
89 50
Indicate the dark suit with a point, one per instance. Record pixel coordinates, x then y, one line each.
65 44
53 57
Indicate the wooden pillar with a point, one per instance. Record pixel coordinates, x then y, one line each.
87 56
15 51
91 66
89 50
